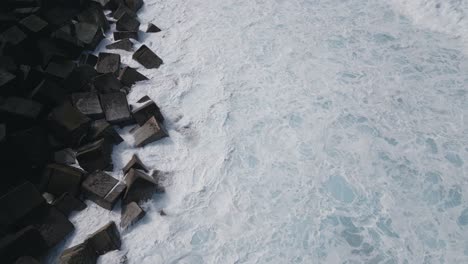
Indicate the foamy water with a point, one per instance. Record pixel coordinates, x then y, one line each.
303 132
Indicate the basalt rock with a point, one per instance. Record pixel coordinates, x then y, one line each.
108 63
124 44
88 104
147 58
129 76
116 108
95 155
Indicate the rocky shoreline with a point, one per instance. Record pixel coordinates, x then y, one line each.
59 105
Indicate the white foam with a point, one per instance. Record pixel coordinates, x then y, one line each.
446 16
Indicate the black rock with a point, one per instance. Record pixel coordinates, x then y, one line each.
127 23
121 10
147 58
34 23
30 146
68 203
89 34
20 107
68 124
152 28
126 34
13 36
18 203
26 11
52 224
65 156
58 16
94 15
88 59
60 69
129 76
95 155
60 179
134 5
144 99
48 49
102 129
80 79
7 63
140 187
124 44
65 38
80 254
102 189
151 131
48 92
2 132
131 213
27 241
105 239
134 163
6 77
107 83
88 104
108 63
27 260
148 109
116 108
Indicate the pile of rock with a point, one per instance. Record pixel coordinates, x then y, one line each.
59 104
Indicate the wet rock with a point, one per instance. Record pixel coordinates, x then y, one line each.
27 260
129 76
18 202
13 36
131 213
102 189
33 23
135 163
30 146
126 35
147 58
89 34
144 99
140 187
134 5
108 63
68 203
60 179
102 129
127 23
95 155
80 254
94 15
48 92
87 59
2 132
121 10
107 83
152 28
60 69
65 156
105 239
151 131
5 77
148 109
80 79
27 241
88 104
116 108
53 226
124 44
21 107
68 124
59 15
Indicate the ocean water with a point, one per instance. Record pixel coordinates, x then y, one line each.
304 131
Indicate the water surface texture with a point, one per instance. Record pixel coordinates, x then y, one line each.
304 132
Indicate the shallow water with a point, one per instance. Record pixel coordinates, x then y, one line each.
303 132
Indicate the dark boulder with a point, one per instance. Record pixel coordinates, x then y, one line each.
147 58
151 131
